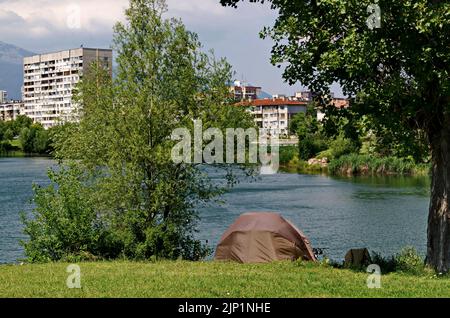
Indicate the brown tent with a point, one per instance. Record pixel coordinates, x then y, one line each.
263 237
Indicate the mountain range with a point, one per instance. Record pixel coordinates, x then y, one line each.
11 69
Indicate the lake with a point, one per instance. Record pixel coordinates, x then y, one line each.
383 214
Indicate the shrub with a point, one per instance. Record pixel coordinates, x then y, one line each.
409 261
387 264
310 145
5 146
64 224
288 153
341 146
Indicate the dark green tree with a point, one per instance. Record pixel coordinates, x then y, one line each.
35 139
19 123
8 134
392 59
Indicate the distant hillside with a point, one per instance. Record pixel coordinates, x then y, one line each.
264 94
11 61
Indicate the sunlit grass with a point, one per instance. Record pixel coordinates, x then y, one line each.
210 279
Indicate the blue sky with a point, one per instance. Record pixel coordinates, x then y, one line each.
44 25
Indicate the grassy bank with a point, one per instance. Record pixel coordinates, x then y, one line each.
368 165
13 149
290 162
352 165
210 279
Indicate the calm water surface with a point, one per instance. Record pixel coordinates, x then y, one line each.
383 214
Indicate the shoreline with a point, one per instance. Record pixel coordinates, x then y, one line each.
20 154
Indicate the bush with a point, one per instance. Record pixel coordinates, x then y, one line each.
409 261
341 146
5 146
65 224
288 153
310 145
387 264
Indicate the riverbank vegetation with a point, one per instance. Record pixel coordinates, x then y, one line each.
20 137
351 148
212 279
356 164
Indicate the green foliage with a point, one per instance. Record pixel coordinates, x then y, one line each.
5 147
32 138
147 203
310 145
355 164
65 224
387 264
35 139
338 147
304 123
287 153
409 261
308 130
8 135
21 122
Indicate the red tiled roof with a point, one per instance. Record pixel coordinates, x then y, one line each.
272 102
340 102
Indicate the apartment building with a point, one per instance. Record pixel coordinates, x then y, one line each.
274 115
242 91
3 97
50 80
10 110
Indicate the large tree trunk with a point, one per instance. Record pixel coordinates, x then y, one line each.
438 248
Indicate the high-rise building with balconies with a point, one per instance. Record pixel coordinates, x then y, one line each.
50 80
3 97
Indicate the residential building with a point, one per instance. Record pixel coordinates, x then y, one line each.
50 80
3 97
336 102
274 115
10 110
244 92
304 96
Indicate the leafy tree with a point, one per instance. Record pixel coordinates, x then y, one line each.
396 74
35 139
8 134
19 123
306 127
26 139
310 145
304 122
122 145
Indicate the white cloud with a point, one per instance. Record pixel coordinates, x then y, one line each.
54 14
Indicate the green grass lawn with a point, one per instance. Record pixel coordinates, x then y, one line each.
210 279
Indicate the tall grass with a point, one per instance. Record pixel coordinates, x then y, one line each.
356 164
